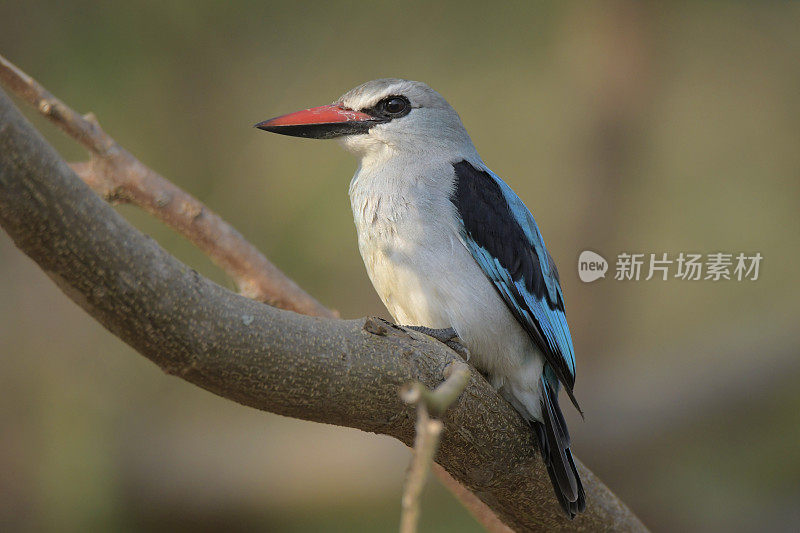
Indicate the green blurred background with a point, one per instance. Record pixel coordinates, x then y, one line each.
624 126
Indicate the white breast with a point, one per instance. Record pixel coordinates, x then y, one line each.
408 237
399 239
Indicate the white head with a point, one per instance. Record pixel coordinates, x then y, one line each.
381 118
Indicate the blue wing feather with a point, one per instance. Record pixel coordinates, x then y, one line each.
505 241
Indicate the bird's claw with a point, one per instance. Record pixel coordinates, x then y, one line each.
457 346
447 336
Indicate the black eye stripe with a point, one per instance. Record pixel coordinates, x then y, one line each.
390 107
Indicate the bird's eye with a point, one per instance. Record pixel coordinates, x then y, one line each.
396 105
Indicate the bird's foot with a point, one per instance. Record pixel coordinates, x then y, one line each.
446 336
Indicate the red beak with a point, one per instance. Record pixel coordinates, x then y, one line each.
324 122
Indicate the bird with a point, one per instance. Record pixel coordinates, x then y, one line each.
453 252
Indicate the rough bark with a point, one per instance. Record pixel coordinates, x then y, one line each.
326 370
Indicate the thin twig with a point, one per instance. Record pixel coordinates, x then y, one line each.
479 510
118 176
426 442
428 433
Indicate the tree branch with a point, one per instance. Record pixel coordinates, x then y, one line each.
118 176
331 371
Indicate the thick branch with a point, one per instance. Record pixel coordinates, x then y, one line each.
118 176
316 369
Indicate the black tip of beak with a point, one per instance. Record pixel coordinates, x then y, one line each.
317 131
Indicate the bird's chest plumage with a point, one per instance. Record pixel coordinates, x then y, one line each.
402 241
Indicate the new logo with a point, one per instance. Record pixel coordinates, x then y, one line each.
591 266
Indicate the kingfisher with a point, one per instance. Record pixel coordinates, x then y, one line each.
453 252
